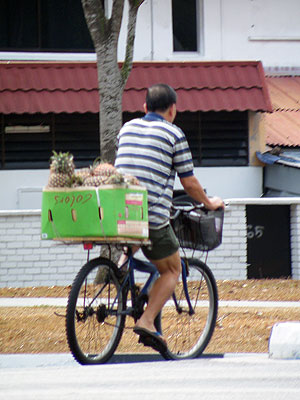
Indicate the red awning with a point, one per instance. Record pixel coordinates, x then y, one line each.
283 125
72 87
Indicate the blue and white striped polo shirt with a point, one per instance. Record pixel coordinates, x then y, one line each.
153 150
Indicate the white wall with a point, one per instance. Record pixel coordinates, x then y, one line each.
266 30
22 189
231 182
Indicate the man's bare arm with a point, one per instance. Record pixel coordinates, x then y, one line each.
194 189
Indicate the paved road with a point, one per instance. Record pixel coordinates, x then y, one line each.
143 377
238 376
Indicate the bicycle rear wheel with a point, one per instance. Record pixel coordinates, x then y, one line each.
188 331
94 323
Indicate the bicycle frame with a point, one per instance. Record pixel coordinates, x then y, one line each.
142 266
135 264
102 295
185 288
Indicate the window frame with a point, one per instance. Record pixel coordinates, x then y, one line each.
76 133
199 31
39 37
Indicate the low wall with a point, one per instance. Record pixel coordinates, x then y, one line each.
26 260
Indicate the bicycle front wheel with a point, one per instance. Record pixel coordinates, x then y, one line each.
188 328
94 318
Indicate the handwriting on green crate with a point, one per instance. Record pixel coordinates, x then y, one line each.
70 200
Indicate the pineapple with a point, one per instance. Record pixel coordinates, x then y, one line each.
62 163
115 179
61 169
82 174
57 179
93 180
62 173
131 180
104 169
76 180
100 173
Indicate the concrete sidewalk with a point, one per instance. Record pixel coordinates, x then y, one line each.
62 302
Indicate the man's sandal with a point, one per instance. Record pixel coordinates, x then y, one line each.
151 339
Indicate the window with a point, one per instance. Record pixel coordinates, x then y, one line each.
185 17
216 138
40 25
27 141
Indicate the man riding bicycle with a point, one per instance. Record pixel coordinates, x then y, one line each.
153 149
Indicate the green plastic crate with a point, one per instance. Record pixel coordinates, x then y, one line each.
106 211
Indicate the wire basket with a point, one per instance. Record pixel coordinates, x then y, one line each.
197 228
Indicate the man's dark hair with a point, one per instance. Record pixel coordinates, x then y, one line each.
160 97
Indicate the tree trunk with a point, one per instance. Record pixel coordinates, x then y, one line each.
105 34
111 79
111 89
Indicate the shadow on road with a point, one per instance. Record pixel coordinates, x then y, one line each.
138 358
66 359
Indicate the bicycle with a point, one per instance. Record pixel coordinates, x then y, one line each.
97 308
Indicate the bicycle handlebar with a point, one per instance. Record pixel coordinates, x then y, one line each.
188 206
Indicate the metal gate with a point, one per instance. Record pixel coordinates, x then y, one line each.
268 239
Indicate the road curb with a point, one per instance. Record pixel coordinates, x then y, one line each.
284 341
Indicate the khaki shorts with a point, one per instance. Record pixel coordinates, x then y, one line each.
164 243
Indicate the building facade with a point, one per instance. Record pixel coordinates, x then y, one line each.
213 36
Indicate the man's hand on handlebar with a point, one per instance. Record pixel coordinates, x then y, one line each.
214 203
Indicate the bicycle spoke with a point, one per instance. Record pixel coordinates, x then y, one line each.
187 333
94 313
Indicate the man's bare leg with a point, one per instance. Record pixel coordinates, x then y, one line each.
123 258
169 269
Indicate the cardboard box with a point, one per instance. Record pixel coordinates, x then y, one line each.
105 211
